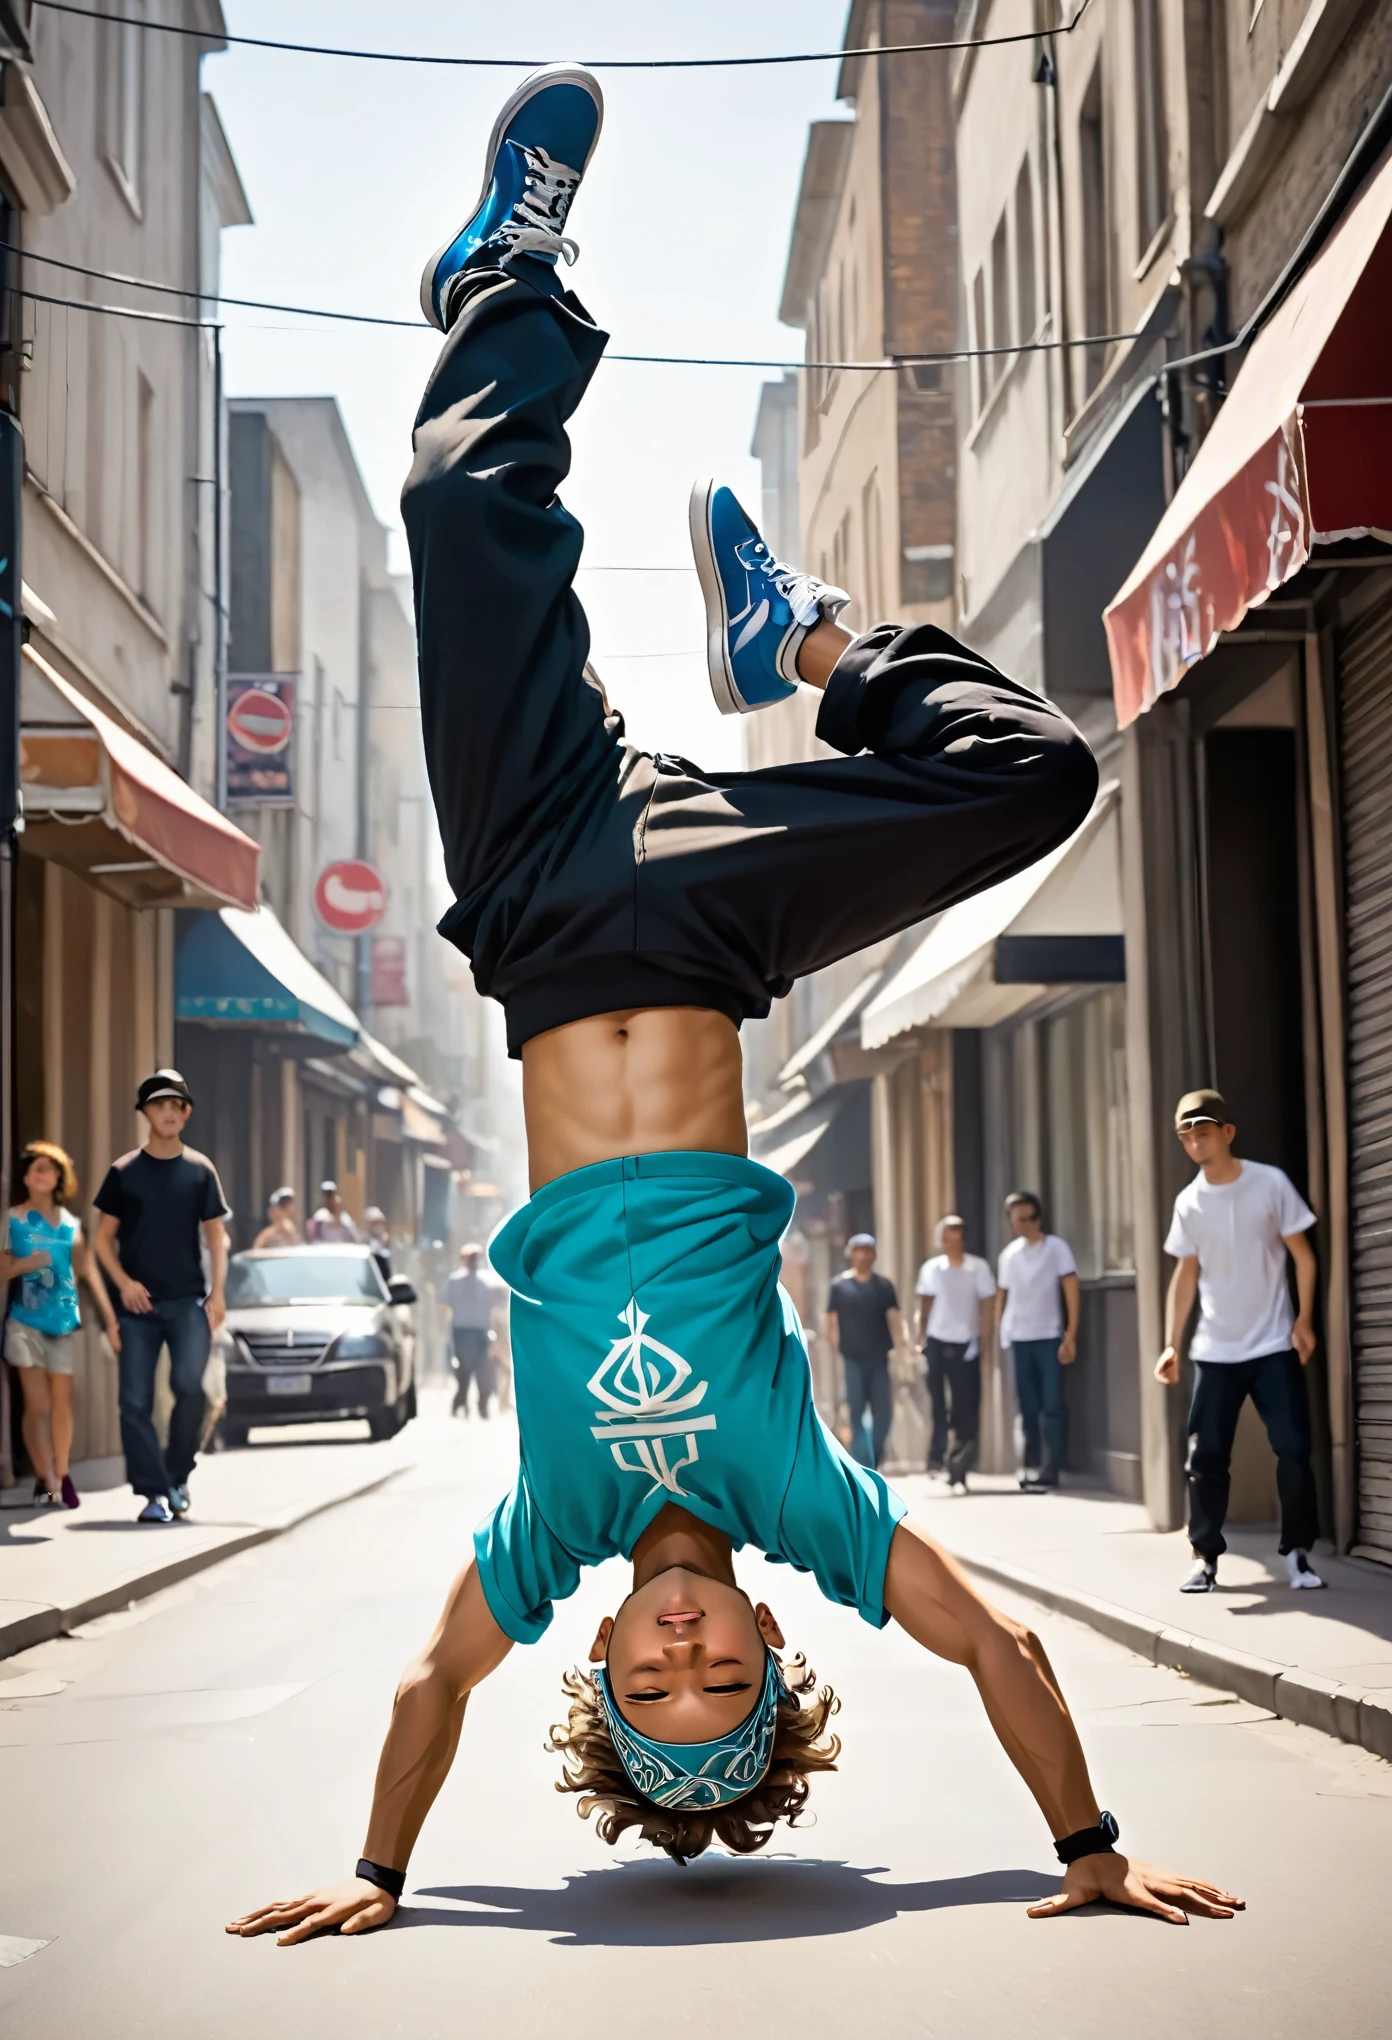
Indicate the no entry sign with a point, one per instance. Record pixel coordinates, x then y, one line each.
350 897
260 722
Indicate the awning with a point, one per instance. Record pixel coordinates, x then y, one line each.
1300 454
825 1145
988 958
795 1069
240 968
423 1118
99 802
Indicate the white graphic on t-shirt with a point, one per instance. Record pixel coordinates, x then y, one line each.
638 1380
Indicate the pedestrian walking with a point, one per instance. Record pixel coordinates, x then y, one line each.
160 1205
45 1252
952 1317
1232 1230
377 1234
282 1227
864 1325
1037 1308
331 1225
471 1297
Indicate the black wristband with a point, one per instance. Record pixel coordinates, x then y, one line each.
393 1882
1093 1841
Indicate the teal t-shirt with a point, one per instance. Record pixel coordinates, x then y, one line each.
47 1300
656 1359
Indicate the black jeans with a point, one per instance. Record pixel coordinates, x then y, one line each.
1276 1384
472 1361
182 1325
590 876
867 1381
954 1382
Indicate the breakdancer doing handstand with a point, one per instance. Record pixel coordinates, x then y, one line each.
629 911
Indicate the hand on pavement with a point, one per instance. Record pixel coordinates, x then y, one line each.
1123 1881
352 1907
1167 1366
135 1298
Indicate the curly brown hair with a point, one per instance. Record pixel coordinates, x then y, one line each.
65 1191
592 1768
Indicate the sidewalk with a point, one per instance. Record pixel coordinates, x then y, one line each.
1323 1659
59 1568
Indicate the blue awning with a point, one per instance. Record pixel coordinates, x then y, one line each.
243 969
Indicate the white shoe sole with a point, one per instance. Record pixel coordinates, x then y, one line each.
545 74
722 677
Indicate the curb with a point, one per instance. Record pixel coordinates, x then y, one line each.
42 1621
1348 1712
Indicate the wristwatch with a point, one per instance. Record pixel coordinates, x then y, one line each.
1093 1841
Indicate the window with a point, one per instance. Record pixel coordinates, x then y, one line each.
980 379
1002 328
1096 266
124 111
1026 290
146 548
1152 166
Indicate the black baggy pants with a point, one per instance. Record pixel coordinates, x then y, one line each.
1276 1384
591 877
954 1383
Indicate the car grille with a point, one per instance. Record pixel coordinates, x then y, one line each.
284 1349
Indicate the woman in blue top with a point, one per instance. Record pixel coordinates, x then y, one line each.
628 911
45 1252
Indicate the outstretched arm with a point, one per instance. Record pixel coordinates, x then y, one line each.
928 1595
427 1715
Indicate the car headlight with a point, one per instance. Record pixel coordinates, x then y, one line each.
361 1346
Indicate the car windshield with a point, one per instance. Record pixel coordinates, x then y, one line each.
310 1277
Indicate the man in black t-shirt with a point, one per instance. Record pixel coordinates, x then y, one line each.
863 1325
159 1205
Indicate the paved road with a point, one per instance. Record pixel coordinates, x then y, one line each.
215 1747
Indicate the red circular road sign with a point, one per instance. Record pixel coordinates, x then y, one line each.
260 722
350 897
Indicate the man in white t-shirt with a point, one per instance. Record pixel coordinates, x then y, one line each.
1037 1317
1232 1229
954 1290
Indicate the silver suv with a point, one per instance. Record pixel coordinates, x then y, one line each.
316 1333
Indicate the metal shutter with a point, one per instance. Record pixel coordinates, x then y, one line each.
1364 654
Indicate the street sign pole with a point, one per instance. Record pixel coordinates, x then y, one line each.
11 646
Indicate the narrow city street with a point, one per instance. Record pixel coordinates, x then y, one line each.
213 1747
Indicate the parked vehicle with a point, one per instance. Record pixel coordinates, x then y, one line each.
316 1333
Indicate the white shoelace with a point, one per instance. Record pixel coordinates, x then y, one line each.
534 225
807 597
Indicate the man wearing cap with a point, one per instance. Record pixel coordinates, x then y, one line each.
331 1225
863 1325
159 1203
1232 1229
281 1228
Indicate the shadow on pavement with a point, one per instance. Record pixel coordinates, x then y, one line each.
657 1905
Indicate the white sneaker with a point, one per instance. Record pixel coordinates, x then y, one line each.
1202 1580
1302 1573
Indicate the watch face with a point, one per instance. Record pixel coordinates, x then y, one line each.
1109 1826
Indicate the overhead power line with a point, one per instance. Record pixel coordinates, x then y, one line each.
261 42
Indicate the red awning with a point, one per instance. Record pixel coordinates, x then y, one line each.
93 793
1300 454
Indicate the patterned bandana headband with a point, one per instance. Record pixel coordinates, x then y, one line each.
694 1777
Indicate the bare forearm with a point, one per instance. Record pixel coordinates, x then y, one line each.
427 1717
1179 1299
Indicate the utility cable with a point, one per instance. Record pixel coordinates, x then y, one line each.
260 42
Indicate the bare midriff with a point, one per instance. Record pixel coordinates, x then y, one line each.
645 1082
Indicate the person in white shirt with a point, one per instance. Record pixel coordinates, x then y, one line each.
1232 1229
1037 1317
954 1292
471 1297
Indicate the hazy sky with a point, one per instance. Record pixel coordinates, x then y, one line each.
355 171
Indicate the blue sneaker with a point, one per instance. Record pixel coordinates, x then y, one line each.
538 151
179 1497
156 1510
757 610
